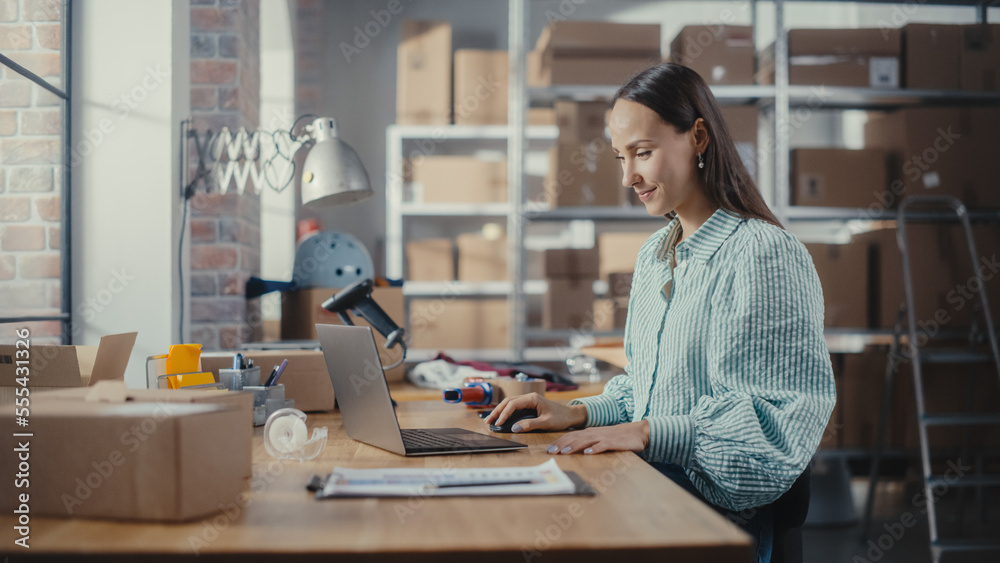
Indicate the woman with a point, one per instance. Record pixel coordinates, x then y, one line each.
729 386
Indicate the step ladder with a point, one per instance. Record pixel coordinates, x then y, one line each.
921 356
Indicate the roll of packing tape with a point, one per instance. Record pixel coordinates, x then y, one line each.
287 437
287 434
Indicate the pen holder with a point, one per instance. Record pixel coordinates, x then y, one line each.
237 379
266 400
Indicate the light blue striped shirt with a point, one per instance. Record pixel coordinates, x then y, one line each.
726 359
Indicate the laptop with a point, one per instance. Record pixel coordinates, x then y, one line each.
366 408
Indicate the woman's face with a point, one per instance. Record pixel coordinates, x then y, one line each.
659 163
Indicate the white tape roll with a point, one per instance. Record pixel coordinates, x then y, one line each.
287 434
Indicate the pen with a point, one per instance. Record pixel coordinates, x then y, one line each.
481 484
270 378
273 380
238 361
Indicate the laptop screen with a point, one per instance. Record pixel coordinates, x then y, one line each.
359 385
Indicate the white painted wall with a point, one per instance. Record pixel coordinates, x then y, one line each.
131 91
277 108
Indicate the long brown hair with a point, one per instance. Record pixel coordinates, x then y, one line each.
679 96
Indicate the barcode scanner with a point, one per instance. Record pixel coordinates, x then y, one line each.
357 298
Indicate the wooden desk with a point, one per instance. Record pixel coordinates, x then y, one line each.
638 515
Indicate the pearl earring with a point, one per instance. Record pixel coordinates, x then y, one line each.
701 161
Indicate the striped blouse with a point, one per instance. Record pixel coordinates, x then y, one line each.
726 359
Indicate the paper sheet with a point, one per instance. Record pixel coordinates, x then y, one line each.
544 479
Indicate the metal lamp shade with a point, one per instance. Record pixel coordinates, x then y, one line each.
333 173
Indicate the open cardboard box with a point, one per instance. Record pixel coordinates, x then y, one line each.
58 367
137 454
306 378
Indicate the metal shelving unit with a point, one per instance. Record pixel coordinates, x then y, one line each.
776 101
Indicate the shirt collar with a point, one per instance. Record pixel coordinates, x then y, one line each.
704 242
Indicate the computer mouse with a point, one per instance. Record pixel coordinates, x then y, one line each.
516 416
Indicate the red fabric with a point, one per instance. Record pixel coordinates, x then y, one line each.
507 371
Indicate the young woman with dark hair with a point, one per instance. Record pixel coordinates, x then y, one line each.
729 385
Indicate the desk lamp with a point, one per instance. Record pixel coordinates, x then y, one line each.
332 175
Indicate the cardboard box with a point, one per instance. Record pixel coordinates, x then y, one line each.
306 378
568 303
533 70
481 259
843 274
721 54
431 259
612 70
941 270
423 73
941 151
619 284
458 179
588 52
163 455
541 116
598 37
301 310
980 57
859 401
581 122
619 251
610 314
839 177
458 324
931 56
583 174
839 57
742 124
57 367
833 434
481 87
572 263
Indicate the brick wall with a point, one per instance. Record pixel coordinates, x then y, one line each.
225 229
30 165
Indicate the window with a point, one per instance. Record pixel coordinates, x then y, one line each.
35 170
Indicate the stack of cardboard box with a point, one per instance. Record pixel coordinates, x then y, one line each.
945 290
591 52
940 151
611 310
845 297
423 73
582 169
569 301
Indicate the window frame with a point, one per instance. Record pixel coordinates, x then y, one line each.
65 248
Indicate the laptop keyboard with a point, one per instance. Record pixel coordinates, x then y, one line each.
416 439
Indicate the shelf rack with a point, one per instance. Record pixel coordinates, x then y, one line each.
779 99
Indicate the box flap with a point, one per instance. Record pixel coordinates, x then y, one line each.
112 357
51 366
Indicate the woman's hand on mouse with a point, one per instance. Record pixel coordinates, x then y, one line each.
630 436
551 414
